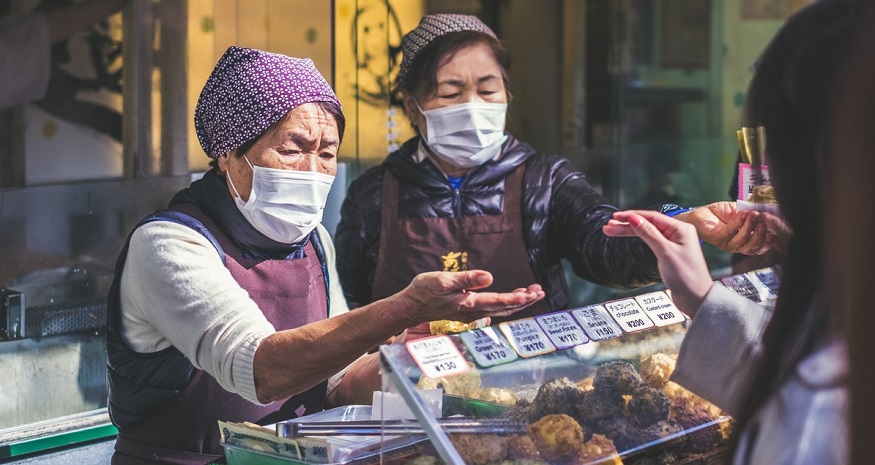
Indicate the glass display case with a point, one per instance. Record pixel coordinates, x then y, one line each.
585 385
581 386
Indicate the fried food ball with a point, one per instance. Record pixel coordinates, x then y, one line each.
621 430
648 406
522 411
556 396
659 430
596 406
599 449
450 326
626 434
557 436
618 377
680 395
586 384
522 447
496 395
460 385
666 457
480 449
656 369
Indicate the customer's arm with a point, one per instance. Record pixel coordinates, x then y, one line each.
721 348
722 344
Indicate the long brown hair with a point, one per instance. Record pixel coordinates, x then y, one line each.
852 221
790 95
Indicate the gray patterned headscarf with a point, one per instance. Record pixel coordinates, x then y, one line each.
431 27
250 90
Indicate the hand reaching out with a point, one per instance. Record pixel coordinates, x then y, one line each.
723 226
676 246
450 296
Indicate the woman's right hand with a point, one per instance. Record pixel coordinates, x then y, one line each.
677 249
443 295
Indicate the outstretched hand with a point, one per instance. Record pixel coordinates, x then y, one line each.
723 226
440 295
676 246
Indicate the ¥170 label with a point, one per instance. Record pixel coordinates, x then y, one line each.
526 337
488 347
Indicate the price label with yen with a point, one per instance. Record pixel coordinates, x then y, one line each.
437 357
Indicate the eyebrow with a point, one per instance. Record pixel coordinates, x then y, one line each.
301 139
460 83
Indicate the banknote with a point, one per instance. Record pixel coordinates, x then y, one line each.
255 437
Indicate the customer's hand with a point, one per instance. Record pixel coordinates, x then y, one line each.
451 296
676 246
723 226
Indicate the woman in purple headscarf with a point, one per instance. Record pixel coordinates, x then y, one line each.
226 306
466 194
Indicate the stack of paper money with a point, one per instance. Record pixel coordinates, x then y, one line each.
255 437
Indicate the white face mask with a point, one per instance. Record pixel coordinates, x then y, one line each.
465 135
284 205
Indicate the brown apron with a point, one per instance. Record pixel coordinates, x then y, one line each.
409 246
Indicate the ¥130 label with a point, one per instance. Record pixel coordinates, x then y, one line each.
526 337
596 322
562 330
437 356
659 307
488 347
629 315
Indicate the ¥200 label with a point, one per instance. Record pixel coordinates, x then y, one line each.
629 315
562 330
526 337
437 356
488 347
596 322
659 307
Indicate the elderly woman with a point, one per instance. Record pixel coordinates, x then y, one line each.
465 194
226 306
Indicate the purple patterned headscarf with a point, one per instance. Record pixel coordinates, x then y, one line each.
248 91
431 27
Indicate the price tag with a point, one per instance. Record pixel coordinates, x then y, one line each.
488 347
562 330
629 315
660 308
750 176
437 356
526 337
596 322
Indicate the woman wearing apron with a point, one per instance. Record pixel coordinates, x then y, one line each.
466 194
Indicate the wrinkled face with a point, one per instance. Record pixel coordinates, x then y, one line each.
472 75
306 139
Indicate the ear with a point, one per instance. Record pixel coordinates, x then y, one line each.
412 111
224 161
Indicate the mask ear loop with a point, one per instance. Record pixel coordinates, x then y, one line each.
422 131
232 181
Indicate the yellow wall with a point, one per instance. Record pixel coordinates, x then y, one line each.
365 32
299 28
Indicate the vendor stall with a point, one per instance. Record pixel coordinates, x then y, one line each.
584 385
